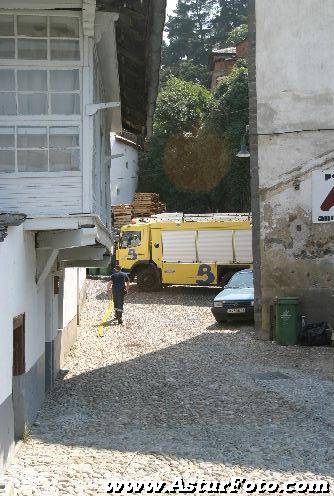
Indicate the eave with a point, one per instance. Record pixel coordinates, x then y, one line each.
139 37
72 241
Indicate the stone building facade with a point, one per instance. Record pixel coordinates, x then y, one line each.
292 155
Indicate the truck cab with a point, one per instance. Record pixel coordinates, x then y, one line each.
134 255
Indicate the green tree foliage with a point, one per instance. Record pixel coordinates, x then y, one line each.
193 30
237 34
181 106
184 161
229 118
189 31
191 158
232 13
186 70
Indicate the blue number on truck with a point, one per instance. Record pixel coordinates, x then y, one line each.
205 270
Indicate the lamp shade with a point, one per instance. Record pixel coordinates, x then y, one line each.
244 152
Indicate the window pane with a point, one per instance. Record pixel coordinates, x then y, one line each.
30 25
7 80
32 161
64 27
65 160
7 48
65 50
65 104
7 25
33 104
7 161
32 49
32 80
7 137
32 137
64 80
63 137
7 104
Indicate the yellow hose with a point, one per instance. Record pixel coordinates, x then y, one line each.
105 318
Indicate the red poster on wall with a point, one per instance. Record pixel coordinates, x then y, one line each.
323 196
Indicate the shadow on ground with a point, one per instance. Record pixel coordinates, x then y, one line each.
208 398
202 296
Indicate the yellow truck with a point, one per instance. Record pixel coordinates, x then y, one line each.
181 249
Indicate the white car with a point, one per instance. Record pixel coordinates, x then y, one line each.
236 301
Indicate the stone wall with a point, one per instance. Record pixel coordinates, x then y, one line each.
292 129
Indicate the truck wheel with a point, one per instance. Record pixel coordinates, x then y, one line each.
147 280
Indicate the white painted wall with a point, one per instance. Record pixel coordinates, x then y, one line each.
42 193
18 294
294 65
70 295
74 280
123 172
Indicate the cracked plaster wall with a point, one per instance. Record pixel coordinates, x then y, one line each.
295 92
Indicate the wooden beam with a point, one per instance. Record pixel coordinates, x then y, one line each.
135 7
128 55
103 263
125 29
51 223
83 253
127 72
60 240
88 17
45 260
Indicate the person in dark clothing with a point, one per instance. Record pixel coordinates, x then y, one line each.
119 286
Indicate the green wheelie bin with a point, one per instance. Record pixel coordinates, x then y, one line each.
287 320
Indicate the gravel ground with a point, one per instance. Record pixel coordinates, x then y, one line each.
171 394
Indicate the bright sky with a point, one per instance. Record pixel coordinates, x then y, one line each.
171 4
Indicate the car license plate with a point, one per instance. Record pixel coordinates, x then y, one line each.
236 310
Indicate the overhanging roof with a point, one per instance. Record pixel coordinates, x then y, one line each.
71 241
139 37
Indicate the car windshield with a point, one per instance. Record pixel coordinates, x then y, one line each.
241 280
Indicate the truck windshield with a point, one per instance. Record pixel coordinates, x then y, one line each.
130 239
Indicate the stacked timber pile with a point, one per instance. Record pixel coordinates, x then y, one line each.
147 204
122 215
144 205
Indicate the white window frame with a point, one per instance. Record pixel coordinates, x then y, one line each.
49 92
47 148
46 120
48 61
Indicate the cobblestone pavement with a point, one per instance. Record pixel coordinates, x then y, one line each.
171 394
